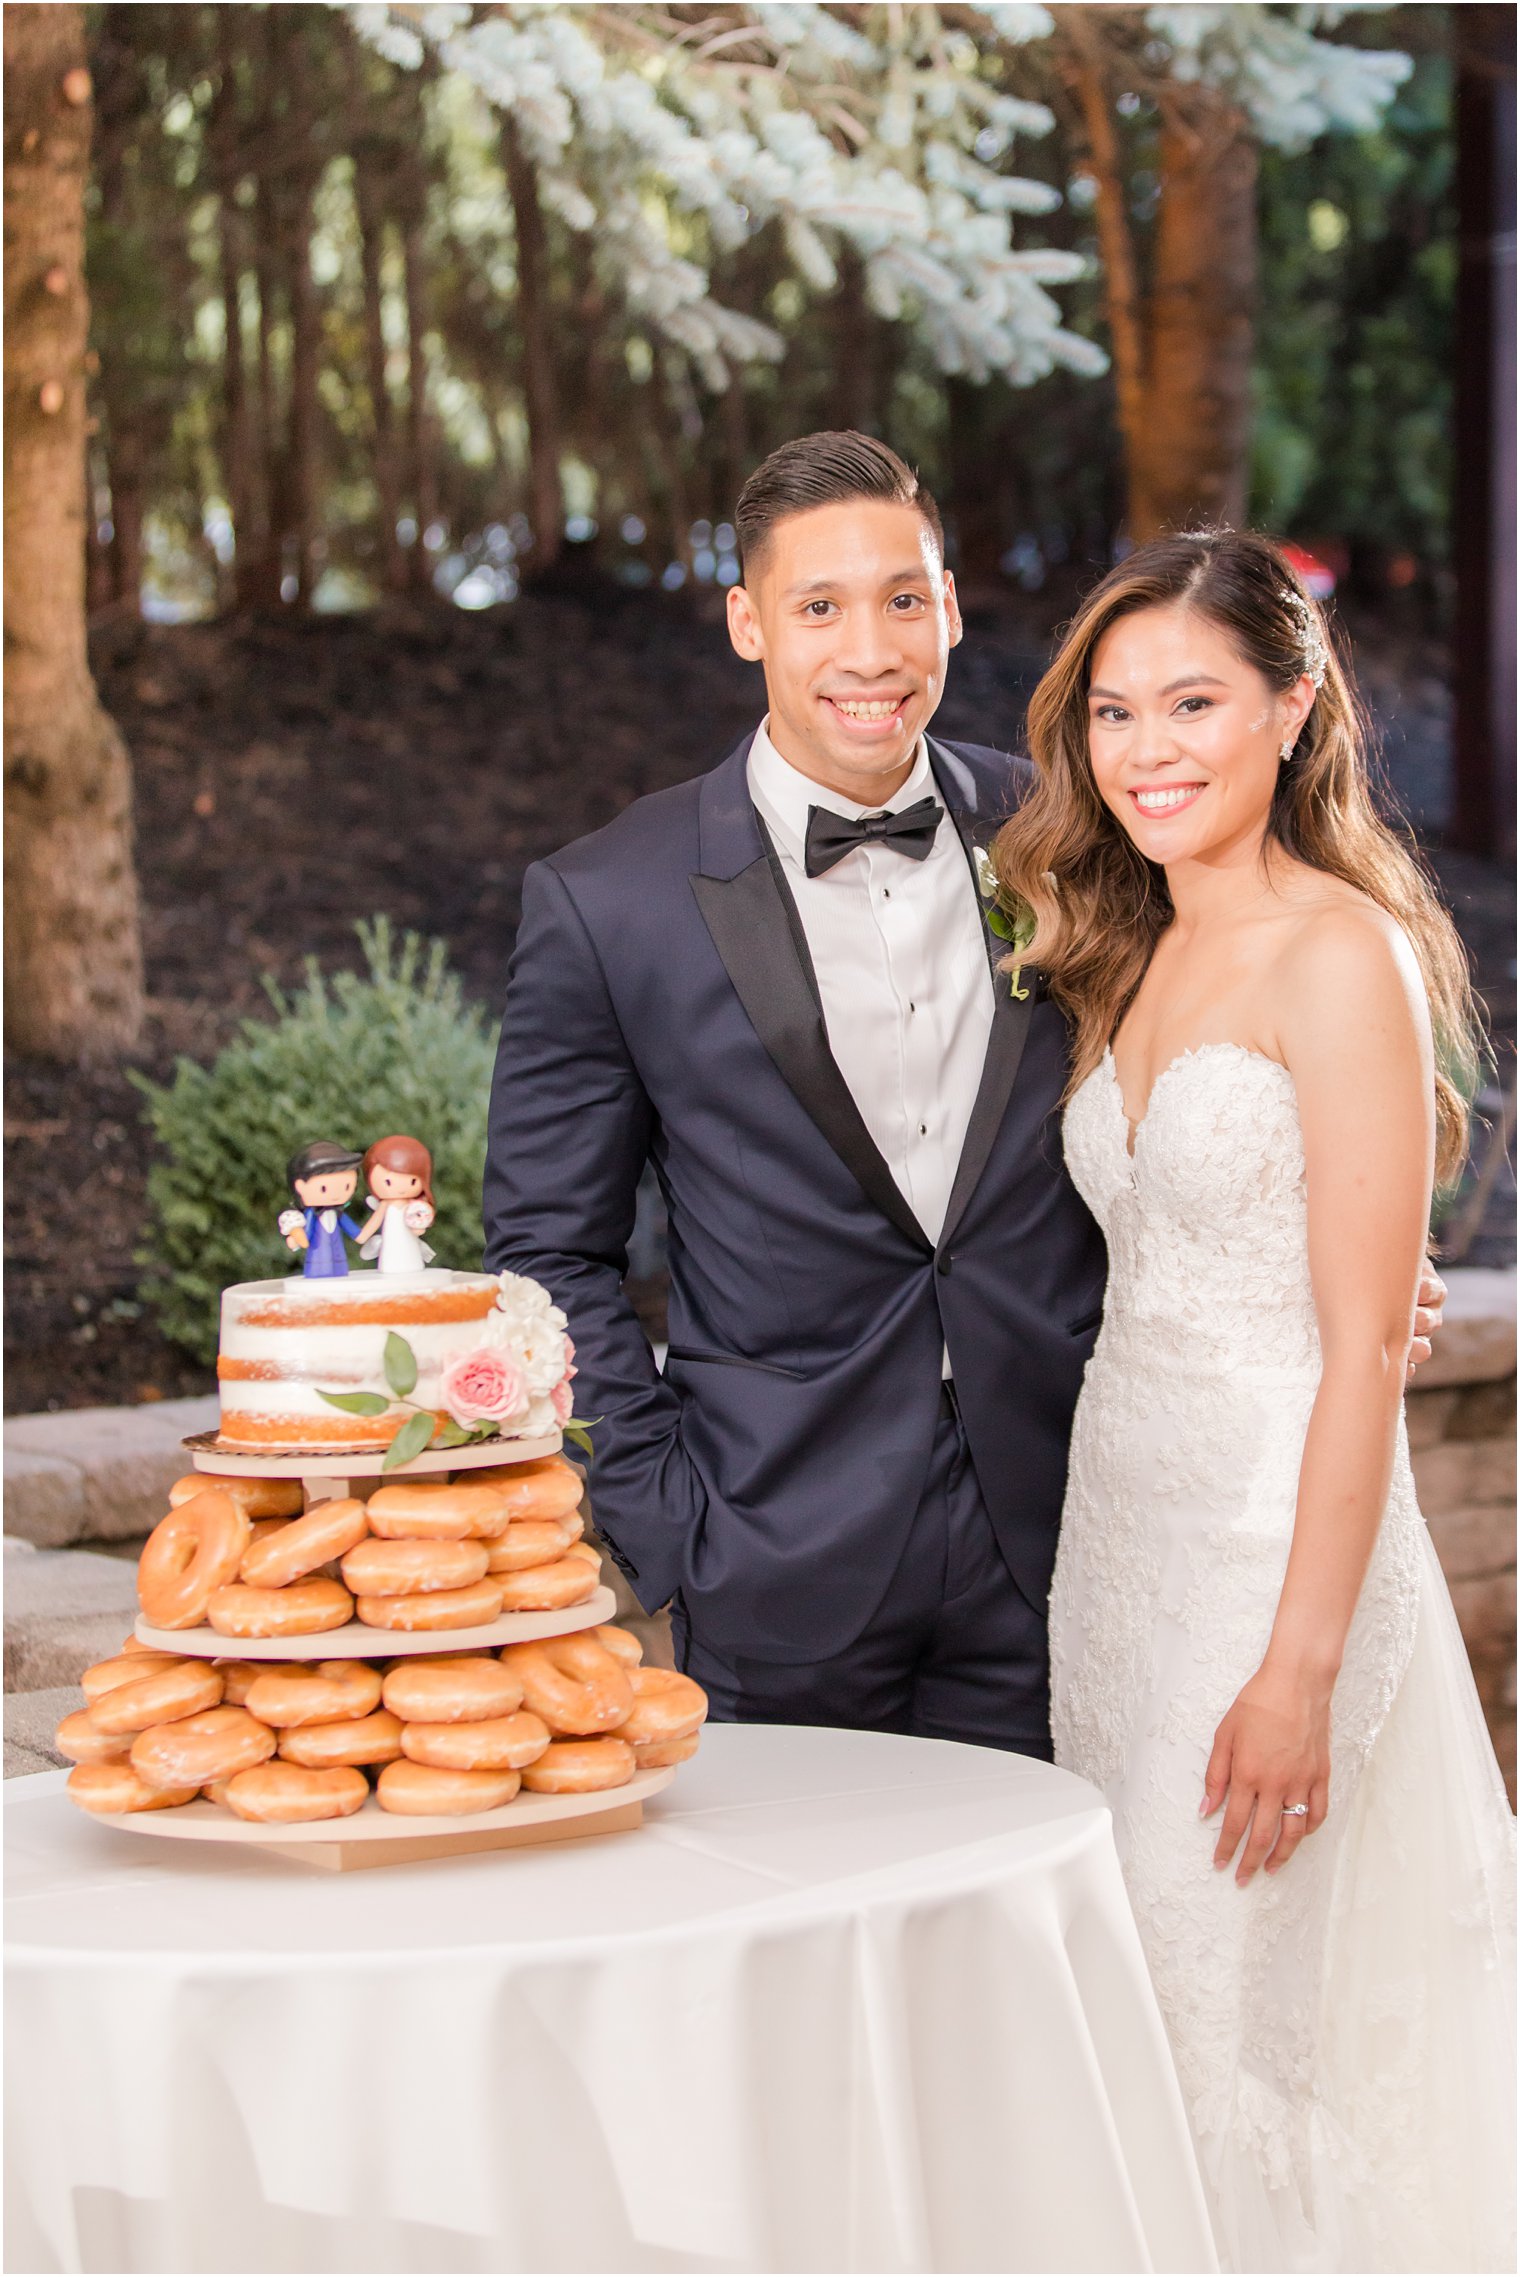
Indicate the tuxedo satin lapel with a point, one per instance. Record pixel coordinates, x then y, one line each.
758 934
1010 1018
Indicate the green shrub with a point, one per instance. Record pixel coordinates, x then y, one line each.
352 1058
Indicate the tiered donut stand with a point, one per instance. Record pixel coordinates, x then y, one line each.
372 1836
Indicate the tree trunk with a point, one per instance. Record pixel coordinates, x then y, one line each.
1182 350
546 509
301 175
300 493
124 460
418 436
236 454
1121 277
852 388
73 977
382 421
259 565
1190 460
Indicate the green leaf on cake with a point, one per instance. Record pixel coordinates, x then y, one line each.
579 1430
415 1434
451 1434
356 1403
400 1365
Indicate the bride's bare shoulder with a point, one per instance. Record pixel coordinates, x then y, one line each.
1344 959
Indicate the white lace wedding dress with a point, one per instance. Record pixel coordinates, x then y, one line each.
1344 2031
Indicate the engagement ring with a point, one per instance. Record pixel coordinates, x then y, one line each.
1295 1810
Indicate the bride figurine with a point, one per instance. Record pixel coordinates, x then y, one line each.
1253 1652
399 1175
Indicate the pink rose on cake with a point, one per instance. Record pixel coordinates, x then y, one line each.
484 1386
562 1400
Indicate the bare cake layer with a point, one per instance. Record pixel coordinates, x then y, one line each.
285 1342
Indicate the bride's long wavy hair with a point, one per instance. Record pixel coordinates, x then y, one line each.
1100 907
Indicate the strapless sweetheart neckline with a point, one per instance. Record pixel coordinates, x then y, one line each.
1178 1059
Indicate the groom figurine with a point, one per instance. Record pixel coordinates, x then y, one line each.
777 985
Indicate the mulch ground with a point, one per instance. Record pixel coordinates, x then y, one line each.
292 778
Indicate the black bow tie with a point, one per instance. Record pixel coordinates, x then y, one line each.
831 836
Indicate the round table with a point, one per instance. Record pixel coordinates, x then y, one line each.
846 2001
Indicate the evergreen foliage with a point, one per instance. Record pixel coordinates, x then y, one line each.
352 1057
1353 369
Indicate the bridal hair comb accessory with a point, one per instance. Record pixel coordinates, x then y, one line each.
1311 640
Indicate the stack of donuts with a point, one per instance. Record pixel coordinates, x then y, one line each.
441 1735
236 1554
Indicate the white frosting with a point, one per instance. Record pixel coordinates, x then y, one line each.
308 1353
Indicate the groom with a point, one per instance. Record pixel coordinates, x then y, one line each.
776 983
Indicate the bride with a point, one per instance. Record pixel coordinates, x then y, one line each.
1253 1651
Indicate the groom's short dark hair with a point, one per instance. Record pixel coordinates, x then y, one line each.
826 469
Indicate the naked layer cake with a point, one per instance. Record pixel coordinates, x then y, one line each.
487 1348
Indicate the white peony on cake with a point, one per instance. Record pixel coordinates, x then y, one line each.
489 1350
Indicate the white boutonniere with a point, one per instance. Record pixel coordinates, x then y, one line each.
1016 926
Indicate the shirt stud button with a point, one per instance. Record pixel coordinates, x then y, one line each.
923 1130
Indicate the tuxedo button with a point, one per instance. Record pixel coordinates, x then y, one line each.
945 1262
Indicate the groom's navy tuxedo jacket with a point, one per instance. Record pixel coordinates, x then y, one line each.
662 1007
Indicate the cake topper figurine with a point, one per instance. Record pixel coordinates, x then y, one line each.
399 1174
322 1178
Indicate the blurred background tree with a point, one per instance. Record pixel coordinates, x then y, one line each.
393 297
438 300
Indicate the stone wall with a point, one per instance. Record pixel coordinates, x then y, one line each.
1462 1438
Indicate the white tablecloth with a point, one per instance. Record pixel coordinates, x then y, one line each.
845 2002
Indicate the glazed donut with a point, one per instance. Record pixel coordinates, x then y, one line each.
666 1705
112 1788
368 1739
190 1555
580 1767
164 1696
410 1569
548 1488
300 1609
623 1645
238 1675
654 1754
134 1643
528 1542
452 1691
423 1511
255 1497
127 1668
284 1794
548 1588
585 1550
199 1749
315 1692
216 1792
289 1552
81 1739
422 1790
573 1683
472 1608
501 1743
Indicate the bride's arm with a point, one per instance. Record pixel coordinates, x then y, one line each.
1354 1031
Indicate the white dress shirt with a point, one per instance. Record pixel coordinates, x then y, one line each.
900 953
